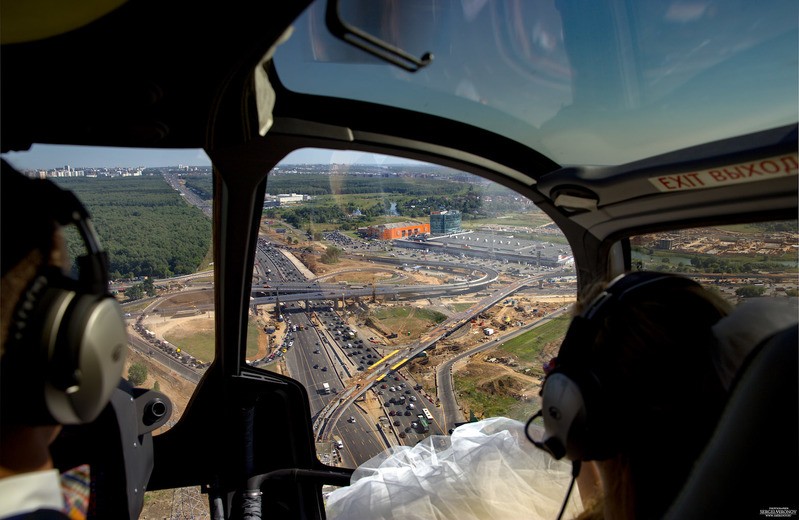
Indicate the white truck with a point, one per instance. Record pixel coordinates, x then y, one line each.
325 388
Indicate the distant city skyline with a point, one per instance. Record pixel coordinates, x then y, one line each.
48 157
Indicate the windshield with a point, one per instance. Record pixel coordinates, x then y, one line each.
372 273
582 83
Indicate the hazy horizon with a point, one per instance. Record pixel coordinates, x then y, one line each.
48 157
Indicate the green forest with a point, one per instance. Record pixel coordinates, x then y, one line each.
145 226
316 184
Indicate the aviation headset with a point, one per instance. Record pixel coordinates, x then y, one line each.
67 340
578 420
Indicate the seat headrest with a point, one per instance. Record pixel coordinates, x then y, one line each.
748 326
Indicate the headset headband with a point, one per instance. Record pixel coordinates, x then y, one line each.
576 413
574 346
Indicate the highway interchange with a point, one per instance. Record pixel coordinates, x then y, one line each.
325 349
320 347
320 353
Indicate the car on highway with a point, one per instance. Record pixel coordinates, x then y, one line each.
632 135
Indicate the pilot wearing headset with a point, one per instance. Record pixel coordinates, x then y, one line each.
62 339
635 390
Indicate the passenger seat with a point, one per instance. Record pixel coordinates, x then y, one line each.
750 468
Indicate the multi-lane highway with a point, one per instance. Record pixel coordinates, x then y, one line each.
325 349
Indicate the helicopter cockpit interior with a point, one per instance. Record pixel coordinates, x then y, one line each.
616 127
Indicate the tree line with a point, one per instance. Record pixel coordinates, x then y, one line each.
145 226
349 184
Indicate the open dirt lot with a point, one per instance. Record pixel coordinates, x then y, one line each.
369 273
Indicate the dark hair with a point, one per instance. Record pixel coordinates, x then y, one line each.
655 352
28 238
25 223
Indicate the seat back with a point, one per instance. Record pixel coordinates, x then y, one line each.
750 468
118 447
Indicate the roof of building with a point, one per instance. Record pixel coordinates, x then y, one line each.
395 225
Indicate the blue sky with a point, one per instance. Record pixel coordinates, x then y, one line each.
57 156
42 156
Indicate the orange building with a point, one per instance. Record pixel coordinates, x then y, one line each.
397 230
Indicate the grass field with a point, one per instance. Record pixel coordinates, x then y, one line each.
742 228
136 307
654 258
756 229
485 391
208 261
200 343
458 307
403 320
483 404
532 219
527 346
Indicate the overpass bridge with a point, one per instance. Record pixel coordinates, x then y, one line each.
308 291
329 416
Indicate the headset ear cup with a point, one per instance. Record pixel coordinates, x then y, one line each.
65 355
564 413
31 344
576 421
95 339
